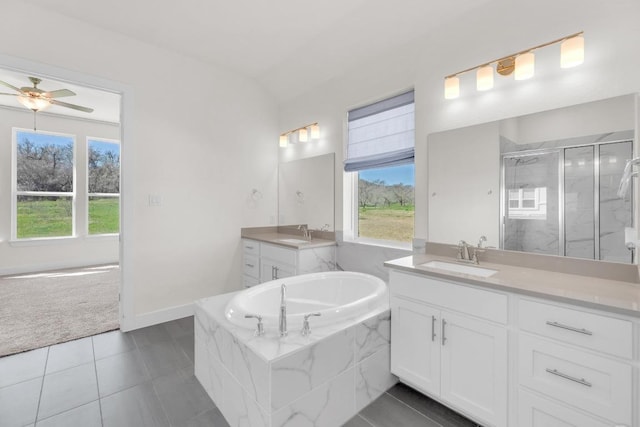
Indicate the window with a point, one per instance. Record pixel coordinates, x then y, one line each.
528 203
380 153
103 165
44 196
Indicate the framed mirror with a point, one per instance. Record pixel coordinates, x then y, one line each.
542 183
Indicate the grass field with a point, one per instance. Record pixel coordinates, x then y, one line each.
386 223
53 218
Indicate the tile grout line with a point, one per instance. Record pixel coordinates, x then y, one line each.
95 370
365 420
413 409
44 374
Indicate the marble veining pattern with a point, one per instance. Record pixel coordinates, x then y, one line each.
318 380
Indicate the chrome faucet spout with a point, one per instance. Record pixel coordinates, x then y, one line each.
282 324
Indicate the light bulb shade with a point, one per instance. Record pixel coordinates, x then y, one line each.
33 103
315 131
303 135
284 141
572 52
451 87
525 66
484 78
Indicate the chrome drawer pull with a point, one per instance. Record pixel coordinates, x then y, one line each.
249 265
569 328
569 377
249 247
433 328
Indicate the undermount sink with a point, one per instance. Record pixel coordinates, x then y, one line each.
295 241
460 268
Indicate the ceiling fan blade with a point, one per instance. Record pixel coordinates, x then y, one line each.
9 94
59 93
9 86
75 107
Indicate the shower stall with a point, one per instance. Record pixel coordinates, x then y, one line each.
562 201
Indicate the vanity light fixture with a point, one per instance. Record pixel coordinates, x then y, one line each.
520 64
304 132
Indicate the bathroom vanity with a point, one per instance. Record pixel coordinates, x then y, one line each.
271 253
509 345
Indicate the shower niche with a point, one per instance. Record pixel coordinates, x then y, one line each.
559 197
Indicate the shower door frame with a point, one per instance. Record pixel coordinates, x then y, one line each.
561 197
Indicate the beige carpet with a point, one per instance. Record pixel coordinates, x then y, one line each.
40 309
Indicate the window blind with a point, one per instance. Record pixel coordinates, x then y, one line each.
381 134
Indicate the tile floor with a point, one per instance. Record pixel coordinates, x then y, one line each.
145 378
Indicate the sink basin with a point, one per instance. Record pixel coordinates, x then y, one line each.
295 241
460 268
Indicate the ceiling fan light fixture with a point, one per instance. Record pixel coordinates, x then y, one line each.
34 103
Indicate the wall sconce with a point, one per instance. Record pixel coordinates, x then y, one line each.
312 129
520 64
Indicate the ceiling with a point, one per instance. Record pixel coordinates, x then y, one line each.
288 46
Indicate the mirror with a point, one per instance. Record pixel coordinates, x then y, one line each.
544 183
306 192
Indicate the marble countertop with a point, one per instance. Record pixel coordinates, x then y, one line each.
613 296
279 239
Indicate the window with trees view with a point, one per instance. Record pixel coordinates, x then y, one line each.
104 186
380 149
44 184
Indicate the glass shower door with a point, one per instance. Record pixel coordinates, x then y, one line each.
531 216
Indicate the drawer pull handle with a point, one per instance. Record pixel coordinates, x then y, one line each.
433 328
249 265
249 247
569 377
569 328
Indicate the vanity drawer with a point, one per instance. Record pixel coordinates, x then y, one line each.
251 266
279 254
597 332
592 383
251 247
535 411
248 281
466 299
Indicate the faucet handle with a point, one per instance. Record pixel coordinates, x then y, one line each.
260 327
306 329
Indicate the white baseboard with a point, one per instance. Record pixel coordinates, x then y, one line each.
12 271
156 317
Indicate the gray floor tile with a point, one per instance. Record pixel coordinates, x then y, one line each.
164 358
22 366
120 371
211 418
387 411
187 344
135 407
110 343
69 354
181 396
150 335
180 327
357 421
429 407
68 389
19 403
86 416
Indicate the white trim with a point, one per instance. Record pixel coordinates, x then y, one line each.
156 317
52 266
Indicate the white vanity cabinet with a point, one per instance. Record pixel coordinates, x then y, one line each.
263 261
450 342
578 362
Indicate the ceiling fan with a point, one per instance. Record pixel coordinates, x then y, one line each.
37 99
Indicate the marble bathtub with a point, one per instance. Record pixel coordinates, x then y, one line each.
322 379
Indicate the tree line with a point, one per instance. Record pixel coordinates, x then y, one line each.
377 193
49 167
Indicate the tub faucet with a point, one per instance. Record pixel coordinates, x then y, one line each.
282 324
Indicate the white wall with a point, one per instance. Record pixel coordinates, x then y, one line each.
78 251
201 150
495 29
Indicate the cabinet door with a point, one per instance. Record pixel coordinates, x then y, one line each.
474 368
534 411
272 270
415 344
